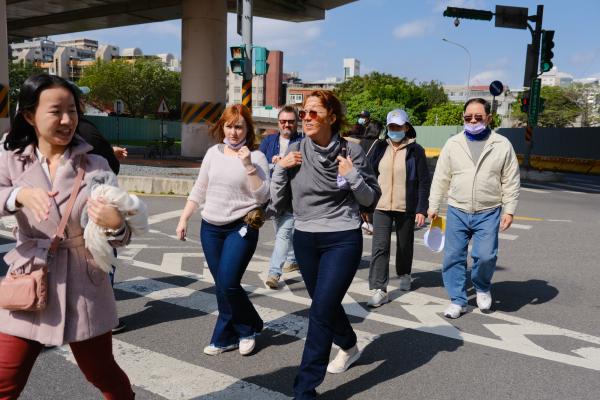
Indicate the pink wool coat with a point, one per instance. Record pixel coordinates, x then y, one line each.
81 303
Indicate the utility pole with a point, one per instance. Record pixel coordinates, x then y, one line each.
247 40
533 82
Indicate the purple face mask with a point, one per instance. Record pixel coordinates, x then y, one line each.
475 129
234 146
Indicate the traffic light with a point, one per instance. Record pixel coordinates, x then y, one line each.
261 66
239 60
524 104
468 13
547 54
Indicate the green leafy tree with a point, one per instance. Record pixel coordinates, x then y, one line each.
445 114
380 93
560 108
17 74
140 84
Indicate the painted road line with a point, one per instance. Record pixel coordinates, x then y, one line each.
520 226
539 191
559 220
276 320
175 379
507 236
155 219
523 218
428 310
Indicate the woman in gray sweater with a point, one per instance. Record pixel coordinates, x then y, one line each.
327 180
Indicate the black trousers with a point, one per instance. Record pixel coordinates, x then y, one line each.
404 224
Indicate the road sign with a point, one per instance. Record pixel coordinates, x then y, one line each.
162 107
119 107
496 88
534 101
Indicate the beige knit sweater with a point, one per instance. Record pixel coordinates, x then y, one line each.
392 178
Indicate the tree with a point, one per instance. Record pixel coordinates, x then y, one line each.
560 110
17 74
581 94
380 93
140 84
445 114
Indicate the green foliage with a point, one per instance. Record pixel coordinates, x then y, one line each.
140 85
445 114
17 74
380 93
560 108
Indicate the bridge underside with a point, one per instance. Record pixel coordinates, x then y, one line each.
34 18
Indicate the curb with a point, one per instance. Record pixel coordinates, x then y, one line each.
156 185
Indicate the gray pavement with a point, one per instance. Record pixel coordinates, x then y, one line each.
541 342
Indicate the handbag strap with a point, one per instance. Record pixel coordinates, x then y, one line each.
65 217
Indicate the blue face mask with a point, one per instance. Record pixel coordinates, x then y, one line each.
475 129
234 146
396 136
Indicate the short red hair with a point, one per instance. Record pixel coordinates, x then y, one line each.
230 114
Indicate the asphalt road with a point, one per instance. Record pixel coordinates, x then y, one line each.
541 342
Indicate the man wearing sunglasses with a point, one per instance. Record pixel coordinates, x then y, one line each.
275 147
479 171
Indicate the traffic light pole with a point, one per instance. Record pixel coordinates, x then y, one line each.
536 35
247 39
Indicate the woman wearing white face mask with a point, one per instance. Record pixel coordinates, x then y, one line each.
401 168
232 185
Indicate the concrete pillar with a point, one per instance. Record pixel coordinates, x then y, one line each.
4 106
203 72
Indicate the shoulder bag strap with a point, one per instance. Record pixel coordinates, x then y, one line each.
65 217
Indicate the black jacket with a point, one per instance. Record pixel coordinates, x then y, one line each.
418 179
102 147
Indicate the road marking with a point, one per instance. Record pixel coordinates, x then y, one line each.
507 236
427 309
522 218
560 220
540 191
519 226
155 219
175 379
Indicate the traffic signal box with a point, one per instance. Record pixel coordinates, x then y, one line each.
261 54
546 51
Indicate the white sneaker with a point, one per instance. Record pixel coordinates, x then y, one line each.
454 311
213 350
405 282
343 360
484 301
247 345
379 298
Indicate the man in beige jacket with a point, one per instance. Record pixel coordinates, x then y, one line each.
479 171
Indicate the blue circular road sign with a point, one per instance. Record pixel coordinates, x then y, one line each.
496 88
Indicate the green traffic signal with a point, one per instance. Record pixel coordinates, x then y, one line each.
546 51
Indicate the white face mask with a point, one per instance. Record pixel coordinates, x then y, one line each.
362 121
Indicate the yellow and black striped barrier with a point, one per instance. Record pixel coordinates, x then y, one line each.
198 112
3 101
247 93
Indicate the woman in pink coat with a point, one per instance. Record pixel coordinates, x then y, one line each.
37 172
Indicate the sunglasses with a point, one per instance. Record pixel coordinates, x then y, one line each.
469 117
287 121
312 114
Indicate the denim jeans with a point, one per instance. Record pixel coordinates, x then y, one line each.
283 250
227 254
461 227
379 269
328 262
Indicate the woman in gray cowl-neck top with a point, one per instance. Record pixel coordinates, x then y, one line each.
327 180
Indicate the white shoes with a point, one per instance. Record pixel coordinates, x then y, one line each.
484 301
405 282
213 350
343 360
454 311
379 298
247 345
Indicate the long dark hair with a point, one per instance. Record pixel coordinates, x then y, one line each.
21 133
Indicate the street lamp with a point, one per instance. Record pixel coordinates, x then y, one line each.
469 72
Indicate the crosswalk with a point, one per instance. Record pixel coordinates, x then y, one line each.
173 377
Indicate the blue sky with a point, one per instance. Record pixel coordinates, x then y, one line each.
403 38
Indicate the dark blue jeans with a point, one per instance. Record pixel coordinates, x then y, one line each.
227 254
328 262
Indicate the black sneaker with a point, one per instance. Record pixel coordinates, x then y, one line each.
119 328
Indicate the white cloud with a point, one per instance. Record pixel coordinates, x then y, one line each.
486 77
413 29
440 5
